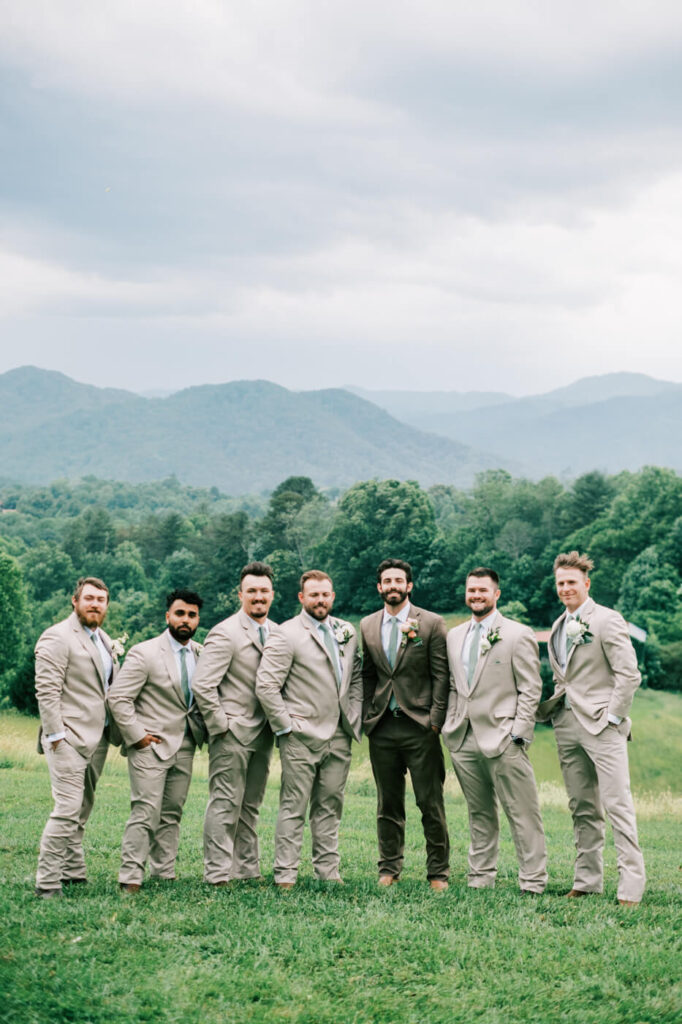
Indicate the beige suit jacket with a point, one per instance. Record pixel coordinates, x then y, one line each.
600 677
70 685
419 679
296 681
224 683
505 691
147 697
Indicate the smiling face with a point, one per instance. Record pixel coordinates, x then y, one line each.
481 596
572 586
317 597
91 606
394 589
256 595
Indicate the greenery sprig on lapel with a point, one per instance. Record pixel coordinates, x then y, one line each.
489 640
410 633
578 632
342 634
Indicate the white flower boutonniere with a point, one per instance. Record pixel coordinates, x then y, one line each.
410 633
578 632
118 645
489 640
342 634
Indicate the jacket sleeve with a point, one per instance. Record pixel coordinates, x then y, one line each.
121 696
52 659
215 660
620 654
369 676
440 673
528 682
273 671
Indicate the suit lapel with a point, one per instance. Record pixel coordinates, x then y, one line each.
585 617
460 675
551 648
90 649
374 640
171 665
483 658
403 642
251 631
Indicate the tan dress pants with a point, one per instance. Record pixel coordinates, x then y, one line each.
597 778
314 774
508 778
237 775
73 779
158 790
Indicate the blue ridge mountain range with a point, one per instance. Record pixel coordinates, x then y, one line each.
247 436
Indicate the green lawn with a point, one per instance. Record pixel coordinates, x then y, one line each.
321 954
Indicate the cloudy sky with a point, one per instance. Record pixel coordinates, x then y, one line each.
389 194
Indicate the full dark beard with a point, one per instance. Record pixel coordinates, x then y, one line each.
182 633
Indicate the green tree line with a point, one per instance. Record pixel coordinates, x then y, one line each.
146 539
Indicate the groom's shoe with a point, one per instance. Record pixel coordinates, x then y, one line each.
574 894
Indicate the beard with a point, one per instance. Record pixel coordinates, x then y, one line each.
394 596
181 633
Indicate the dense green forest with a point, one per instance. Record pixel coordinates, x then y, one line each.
145 539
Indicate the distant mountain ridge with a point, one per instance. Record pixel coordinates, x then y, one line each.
244 436
612 422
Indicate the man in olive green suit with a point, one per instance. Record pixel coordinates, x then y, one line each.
495 690
310 685
75 666
153 706
595 679
240 739
406 683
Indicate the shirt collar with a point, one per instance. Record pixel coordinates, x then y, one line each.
402 615
176 645
316 622
578 612
487 621
265 623
92 632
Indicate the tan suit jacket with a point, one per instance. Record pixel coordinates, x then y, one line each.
148 697
296 682
70 685
600 677
419 678
505 690
224 681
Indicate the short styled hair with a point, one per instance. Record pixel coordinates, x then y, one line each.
93 581
394 563
313 574
188 596
573 560
256 569
481 571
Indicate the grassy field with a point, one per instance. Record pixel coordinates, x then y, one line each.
323 954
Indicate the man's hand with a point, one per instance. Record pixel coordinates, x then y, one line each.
146 740
55 743
435 729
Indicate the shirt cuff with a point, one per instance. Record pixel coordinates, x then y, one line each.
615 719
55 736
283 732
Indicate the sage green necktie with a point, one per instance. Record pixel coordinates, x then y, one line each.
473 653
261 635
329 644
100 662
393 641
184 677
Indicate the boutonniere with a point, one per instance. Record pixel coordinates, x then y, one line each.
118 645
342 634
410 633
578 632
489 640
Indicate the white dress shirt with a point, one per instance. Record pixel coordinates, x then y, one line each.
486 623
386 625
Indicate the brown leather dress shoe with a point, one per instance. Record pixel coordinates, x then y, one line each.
628 903
438 884
386 880
574 894
285 885
129 887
